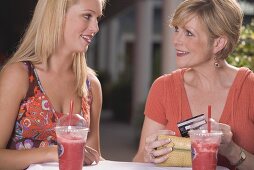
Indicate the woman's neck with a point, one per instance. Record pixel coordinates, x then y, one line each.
210 78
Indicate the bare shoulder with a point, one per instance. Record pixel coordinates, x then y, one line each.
14 76
96 90
15 71
95 83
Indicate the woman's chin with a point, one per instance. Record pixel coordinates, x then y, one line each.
180 66
82 50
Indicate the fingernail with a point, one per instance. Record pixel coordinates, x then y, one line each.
168 140
166 156
170 149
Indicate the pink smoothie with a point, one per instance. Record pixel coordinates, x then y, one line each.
71 152
204 155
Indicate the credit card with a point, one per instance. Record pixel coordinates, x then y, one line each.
192 123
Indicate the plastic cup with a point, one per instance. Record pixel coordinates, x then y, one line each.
71 132
204 149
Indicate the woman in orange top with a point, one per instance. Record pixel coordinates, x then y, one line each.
46 72
205 33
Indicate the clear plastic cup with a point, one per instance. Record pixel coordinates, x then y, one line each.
71 132
204 149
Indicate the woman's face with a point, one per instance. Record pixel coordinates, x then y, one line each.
192 44
81 24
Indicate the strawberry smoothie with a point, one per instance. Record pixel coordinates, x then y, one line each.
71 153
204 155
204 149
71 143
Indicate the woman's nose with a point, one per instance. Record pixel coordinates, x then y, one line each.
177 38
94 27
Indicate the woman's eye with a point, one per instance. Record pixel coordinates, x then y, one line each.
87 16
188 33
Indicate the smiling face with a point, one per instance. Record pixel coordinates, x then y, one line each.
81 24
192 44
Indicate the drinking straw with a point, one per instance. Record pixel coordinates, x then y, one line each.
71 112
209 118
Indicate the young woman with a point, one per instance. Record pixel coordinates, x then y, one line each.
46 72
206 31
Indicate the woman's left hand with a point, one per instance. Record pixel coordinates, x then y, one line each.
91 155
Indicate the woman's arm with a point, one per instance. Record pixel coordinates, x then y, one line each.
232 151
13 88
149 142
93 140
21 159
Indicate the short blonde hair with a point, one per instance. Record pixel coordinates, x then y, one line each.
220 17
43 36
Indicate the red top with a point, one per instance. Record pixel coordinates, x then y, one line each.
36 119
167 104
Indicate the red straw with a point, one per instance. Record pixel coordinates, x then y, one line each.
71 112
209 118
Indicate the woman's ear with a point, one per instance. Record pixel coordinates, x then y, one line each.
219 44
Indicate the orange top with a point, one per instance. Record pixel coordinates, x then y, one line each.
167 104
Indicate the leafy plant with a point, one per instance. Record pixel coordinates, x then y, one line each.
243 55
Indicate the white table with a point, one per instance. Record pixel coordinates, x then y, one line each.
113 165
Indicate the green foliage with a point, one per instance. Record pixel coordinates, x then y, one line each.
243 55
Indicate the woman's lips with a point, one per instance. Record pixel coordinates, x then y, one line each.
87 38
181 53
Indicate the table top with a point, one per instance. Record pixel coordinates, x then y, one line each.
113 165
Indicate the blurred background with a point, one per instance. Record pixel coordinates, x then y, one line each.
132 49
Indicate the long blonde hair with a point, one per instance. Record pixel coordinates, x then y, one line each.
43 36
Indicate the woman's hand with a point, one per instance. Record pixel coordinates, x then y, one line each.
228 147
91 155
151 154
226 139
231 150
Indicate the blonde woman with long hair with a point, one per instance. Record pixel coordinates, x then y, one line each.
47 71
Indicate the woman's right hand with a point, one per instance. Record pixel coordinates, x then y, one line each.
91 155
151 153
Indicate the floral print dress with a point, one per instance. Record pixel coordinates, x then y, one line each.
36 119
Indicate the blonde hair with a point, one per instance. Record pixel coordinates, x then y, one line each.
43 36
220 17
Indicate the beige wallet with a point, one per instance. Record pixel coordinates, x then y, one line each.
181 154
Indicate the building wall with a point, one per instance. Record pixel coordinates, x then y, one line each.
122 41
